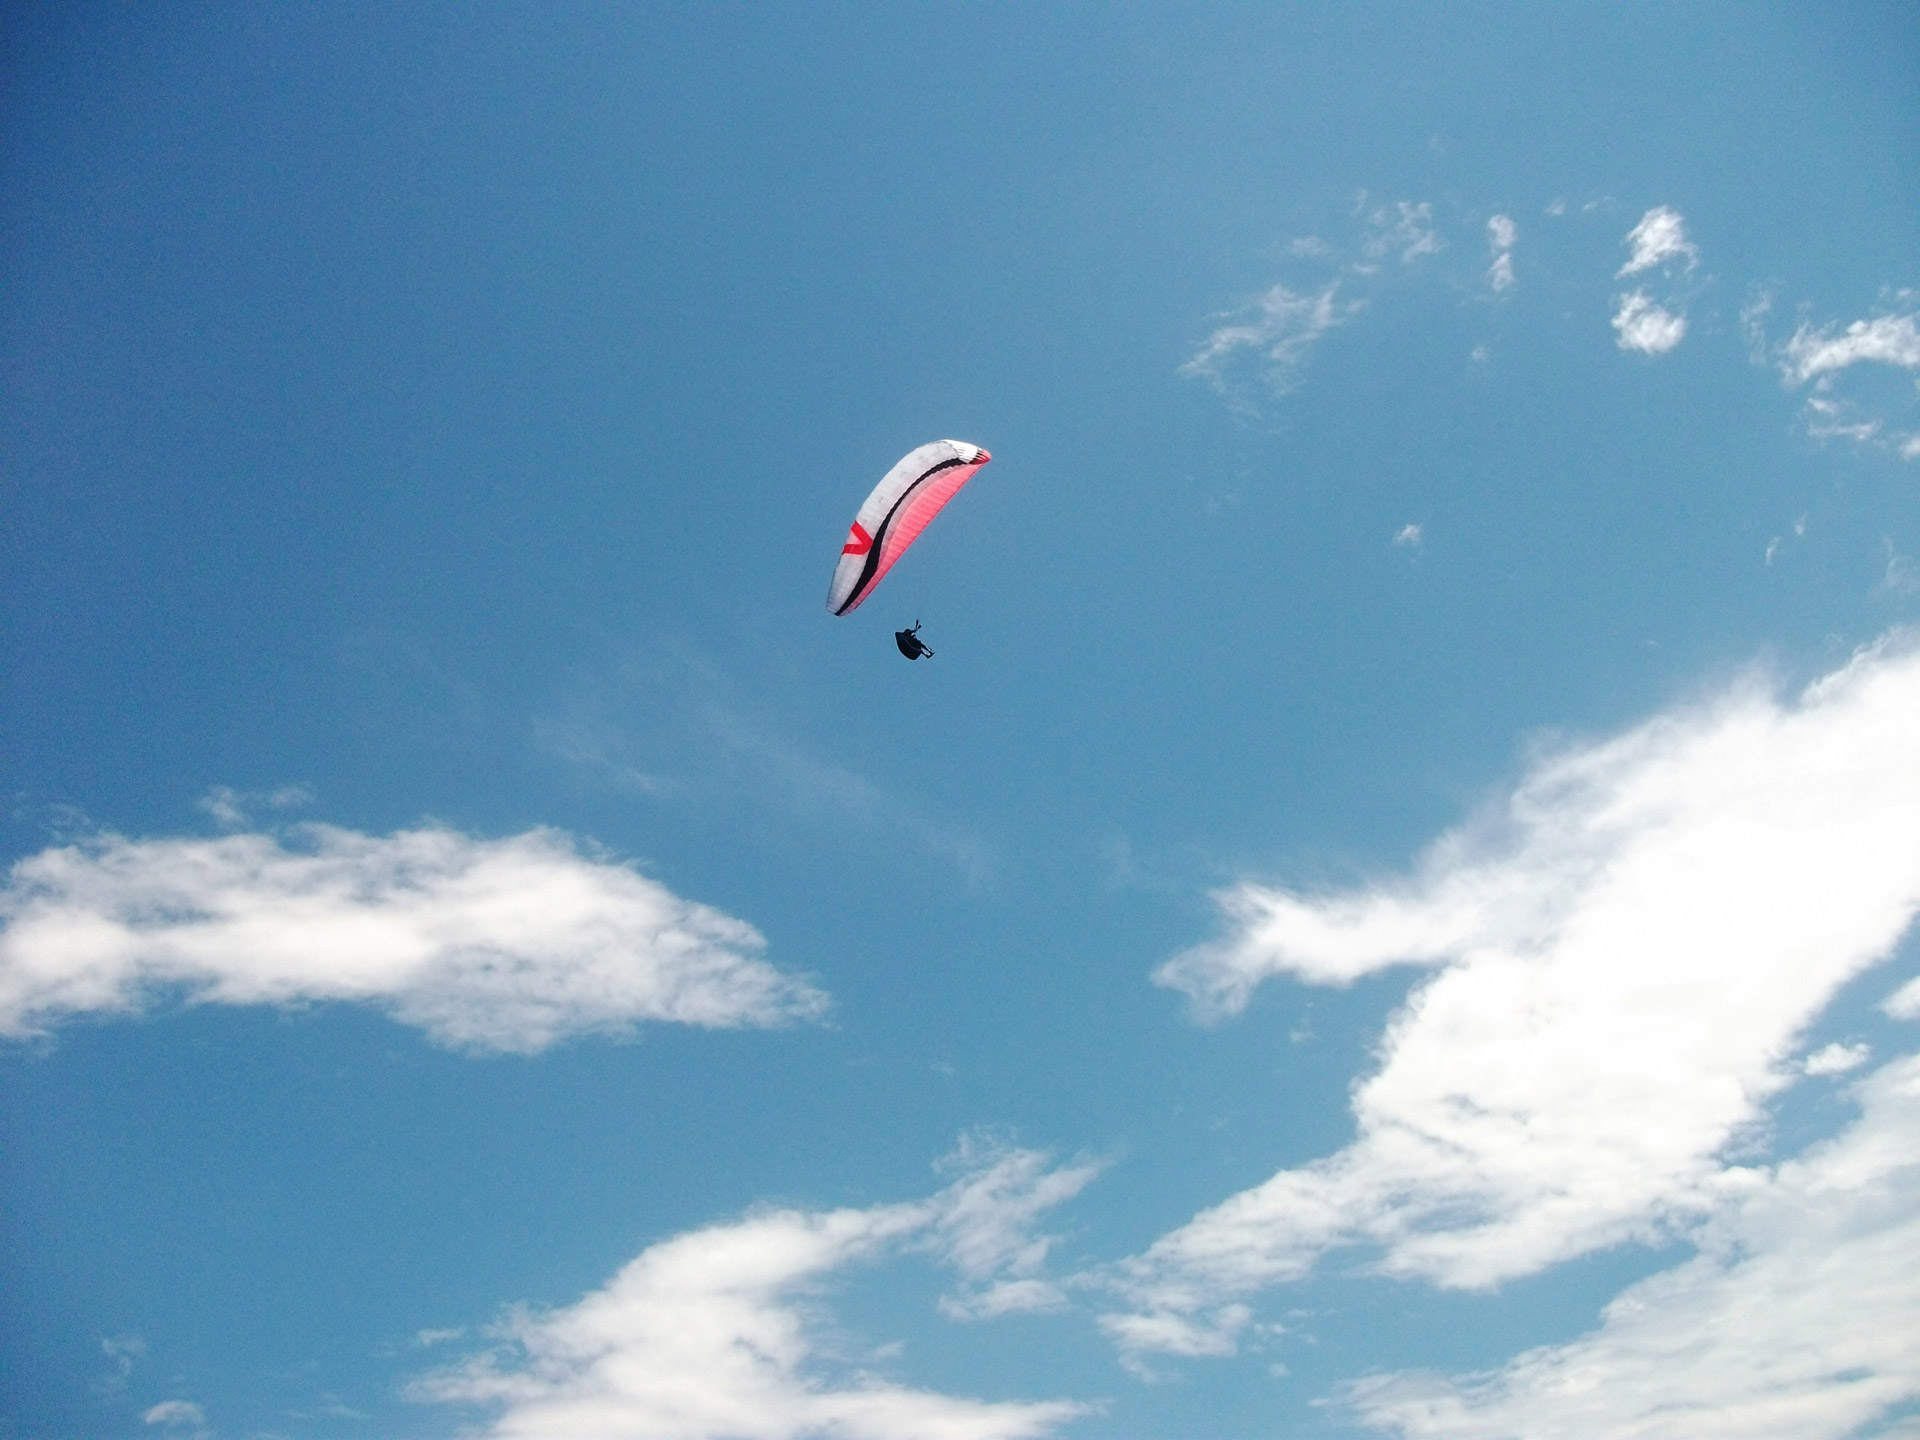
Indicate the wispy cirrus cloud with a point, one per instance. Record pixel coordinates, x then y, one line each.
488 945
1796 1321
1642 929
705 1335
1262 348
986 1226
1404 228
178 1418
675 726
1502 234
233 809
1883 340
1273 336
1838 406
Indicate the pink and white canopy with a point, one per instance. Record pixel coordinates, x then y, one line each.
895 514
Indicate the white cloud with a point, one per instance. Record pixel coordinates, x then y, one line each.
488 945
1902 575
1187 1337
1627 949
705 1335
1409 536
1884 340
1820 356
123 1351
1279 329
1797 1321
1837 1059
1904 1003
1642 323
230 808
1660 236
1501 234
1646 326
178 1417
985 1230
1405 227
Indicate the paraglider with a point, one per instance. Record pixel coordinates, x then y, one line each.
910 643
900 507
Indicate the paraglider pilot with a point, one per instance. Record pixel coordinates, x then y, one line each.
910 642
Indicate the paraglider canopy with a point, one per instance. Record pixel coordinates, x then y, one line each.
900 507
910 643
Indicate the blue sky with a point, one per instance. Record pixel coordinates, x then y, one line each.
1392 898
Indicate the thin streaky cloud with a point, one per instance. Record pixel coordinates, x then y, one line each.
1819 357
1501 236
1883 340
233 809
1643 927
675 726
1277 332
986 1227
178 1418
487 945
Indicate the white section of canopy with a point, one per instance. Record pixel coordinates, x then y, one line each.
892 517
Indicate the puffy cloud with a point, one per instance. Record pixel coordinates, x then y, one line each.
1626 951
1645 326
703 1335
1501 234
1884 340
1641 323
1795 1322
1279 329
1660 236
487 945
